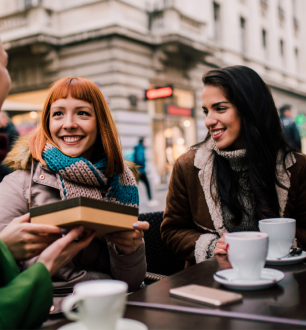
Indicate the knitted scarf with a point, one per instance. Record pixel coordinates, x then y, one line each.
79 177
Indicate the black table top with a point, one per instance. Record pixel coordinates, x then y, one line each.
287 299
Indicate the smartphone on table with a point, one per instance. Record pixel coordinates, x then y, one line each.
205 295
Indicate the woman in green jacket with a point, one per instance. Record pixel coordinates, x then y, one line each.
26 297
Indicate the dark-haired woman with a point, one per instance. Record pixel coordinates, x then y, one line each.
242 172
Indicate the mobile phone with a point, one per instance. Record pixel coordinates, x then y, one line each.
205 295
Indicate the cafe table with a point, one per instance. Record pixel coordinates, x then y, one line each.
285 300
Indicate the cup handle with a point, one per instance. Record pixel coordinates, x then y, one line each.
67 305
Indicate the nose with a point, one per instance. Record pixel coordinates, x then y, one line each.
210 120
70 122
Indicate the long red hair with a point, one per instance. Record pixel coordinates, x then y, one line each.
80 89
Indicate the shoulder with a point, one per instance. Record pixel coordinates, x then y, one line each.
21 177
185 164
19 158
187 158
300 161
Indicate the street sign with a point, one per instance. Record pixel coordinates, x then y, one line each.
158 93
174 110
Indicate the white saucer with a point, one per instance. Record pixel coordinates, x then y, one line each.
268 278
122 324
287 261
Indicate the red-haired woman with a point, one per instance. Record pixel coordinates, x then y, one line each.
76 152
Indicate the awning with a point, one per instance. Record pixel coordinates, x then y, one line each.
19 106
34 97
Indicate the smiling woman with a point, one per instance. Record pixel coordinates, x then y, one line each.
76 152
242 172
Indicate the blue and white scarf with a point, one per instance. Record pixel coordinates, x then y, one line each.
79 177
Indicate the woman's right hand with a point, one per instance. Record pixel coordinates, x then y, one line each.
58 254
220 246
26 240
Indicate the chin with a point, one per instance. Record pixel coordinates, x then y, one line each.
222 145
72 153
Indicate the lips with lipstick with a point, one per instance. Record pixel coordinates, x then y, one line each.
72 139
217 133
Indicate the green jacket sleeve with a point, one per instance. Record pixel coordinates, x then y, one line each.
25 298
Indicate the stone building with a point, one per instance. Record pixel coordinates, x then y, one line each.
129 46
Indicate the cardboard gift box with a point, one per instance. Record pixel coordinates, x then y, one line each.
104 217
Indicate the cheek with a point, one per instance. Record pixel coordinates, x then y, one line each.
92 130
51 128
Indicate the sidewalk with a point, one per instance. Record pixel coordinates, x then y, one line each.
159 193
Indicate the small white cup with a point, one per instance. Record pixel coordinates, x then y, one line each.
247 252
281 233
99 303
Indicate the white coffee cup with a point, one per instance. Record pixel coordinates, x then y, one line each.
99 303
281 233
247 252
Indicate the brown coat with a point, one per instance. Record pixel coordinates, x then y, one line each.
192 220
98 260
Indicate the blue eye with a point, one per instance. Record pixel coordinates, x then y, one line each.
57 113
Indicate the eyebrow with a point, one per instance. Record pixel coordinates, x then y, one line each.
77 108
216 104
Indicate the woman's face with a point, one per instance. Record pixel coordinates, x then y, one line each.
73 126
222 119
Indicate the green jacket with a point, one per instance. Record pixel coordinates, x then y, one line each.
25 298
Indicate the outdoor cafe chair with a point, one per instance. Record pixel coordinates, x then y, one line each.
161 262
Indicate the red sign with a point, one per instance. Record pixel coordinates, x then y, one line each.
157 93
174 110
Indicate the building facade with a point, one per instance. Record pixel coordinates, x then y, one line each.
129 46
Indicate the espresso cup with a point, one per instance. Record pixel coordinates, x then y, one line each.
247 252
281 233
99 303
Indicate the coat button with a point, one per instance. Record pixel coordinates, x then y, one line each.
42 177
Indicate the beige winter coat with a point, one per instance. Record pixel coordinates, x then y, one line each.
98 261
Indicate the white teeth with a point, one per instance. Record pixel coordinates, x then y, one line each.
72 138
217 132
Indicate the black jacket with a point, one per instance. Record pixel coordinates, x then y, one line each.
11 132
291 133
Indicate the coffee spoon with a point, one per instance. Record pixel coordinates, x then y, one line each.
295 251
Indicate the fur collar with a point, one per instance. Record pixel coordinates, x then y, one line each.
20 157
204 161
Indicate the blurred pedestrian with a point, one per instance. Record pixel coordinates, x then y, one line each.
140 161
8 128
290 129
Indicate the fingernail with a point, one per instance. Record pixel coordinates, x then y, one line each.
63 230
135 225
80 229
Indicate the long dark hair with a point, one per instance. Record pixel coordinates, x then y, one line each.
262 137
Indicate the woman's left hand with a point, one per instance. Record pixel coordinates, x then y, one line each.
129 241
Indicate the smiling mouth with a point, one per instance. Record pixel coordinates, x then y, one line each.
71 139
218 132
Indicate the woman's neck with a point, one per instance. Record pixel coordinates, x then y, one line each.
234 157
